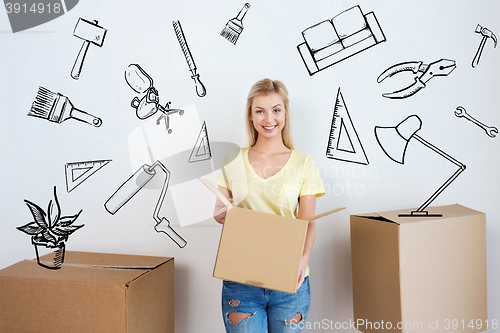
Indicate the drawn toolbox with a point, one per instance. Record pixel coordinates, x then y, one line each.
92 292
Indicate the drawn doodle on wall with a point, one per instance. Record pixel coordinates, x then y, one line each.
134 184
423 73
394 141
343 141
57 108
201 150
486 33
50 230
77 172
491 131
332 41
234 27
149 103
181 38
90 32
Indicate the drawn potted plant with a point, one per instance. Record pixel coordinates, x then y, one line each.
50 230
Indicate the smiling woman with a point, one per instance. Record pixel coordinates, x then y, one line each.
269 176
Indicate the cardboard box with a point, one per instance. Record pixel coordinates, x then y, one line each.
429 274
92 292
260 249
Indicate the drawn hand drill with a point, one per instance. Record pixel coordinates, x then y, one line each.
149 104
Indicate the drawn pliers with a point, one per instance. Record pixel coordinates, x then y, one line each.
424 72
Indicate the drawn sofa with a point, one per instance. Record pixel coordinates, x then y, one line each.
332 41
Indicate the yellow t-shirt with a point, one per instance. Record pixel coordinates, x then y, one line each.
277 194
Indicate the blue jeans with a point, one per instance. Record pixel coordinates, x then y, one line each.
258 310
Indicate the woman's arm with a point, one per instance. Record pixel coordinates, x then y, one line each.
220 208
307 207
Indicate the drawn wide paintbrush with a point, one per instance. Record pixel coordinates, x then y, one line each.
234 27
58 108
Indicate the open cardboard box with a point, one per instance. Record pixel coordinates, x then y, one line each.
260 249
428 274
92 292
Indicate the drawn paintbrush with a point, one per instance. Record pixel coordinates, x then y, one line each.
200 88
234 27
58 108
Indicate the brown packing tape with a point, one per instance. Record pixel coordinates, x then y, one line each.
218 193
48 263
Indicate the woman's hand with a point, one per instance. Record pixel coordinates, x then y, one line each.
302 272
220 212
220 207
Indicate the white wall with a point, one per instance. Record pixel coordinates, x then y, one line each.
35 151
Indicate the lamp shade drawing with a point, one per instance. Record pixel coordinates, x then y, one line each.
133 185
394 142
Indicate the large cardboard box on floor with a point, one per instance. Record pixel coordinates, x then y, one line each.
92 292
420 274
260 249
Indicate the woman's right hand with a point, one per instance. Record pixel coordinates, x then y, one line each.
220 212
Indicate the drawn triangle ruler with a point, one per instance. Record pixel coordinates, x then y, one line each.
201 150
343 142
78 172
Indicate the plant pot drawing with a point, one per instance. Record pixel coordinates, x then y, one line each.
57 258
50 230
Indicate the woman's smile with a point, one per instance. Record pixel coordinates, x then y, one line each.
270 128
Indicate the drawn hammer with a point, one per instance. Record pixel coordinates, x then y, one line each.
90 32
486 33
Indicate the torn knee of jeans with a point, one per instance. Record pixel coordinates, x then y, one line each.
234 302
295 320
235 317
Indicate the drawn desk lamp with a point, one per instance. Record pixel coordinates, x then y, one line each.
394 141
133 185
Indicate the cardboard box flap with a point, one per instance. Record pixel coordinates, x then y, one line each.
375 216
106 260
226 202
80 266
216 191
325 214
448 212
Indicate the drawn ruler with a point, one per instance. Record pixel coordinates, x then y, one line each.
200 88
343 141
78 172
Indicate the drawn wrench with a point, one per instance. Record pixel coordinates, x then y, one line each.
461 112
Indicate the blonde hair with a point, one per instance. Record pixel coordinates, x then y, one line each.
265 87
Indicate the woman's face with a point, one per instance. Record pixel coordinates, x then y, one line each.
268 114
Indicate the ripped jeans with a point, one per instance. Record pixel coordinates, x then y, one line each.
249 309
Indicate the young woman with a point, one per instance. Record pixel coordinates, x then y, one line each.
269 176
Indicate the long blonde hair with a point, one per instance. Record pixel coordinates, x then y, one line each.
265 87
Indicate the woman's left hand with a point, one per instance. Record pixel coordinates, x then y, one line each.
302 272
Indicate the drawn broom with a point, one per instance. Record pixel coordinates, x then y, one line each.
58 108
234 27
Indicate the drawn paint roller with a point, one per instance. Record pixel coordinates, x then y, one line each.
90 32
133 185
200 88
58 108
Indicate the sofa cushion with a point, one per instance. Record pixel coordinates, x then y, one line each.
320 36
349 22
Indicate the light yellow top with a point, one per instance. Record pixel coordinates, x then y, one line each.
277 194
